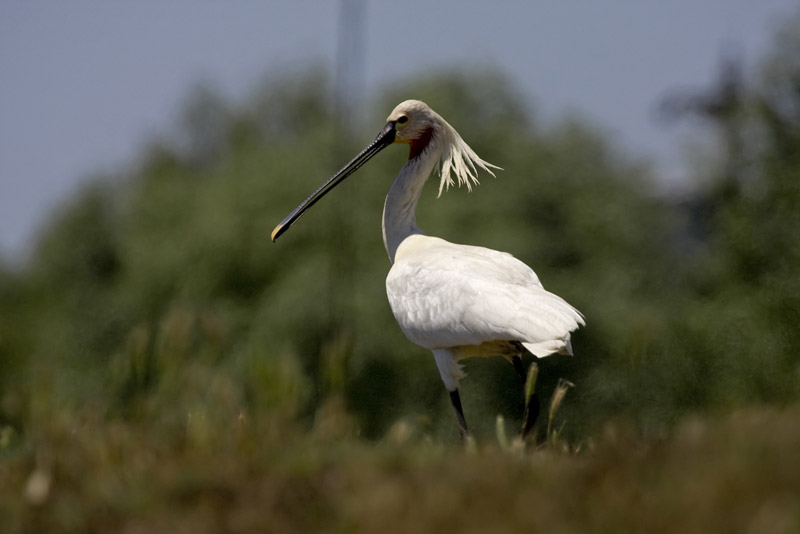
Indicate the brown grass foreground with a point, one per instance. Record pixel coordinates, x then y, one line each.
738 473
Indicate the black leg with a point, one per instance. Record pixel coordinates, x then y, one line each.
455 400
530 416
532 405
520 368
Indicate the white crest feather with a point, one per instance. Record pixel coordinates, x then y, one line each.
459 159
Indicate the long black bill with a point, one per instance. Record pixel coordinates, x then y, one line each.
384 139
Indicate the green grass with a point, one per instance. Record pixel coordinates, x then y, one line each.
81 470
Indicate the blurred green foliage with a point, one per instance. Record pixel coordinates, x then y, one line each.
158 296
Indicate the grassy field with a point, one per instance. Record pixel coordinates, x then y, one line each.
79 471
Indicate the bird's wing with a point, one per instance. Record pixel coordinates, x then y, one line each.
447 295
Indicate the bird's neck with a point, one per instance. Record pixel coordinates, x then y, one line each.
399 210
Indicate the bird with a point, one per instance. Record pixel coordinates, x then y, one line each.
458 301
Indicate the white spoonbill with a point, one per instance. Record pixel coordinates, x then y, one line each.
456 300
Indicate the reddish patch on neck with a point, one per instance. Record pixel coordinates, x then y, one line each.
419 144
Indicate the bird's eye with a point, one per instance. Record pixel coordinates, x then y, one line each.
402 120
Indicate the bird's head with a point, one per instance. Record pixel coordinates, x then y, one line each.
413 123
416 124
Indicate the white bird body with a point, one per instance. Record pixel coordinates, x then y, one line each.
458 301
474 301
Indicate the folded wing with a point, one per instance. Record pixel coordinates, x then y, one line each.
448 295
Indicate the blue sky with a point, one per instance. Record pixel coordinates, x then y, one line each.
84 85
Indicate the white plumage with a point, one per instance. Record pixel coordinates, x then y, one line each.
469 300
457 300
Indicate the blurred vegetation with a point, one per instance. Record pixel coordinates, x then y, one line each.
156 335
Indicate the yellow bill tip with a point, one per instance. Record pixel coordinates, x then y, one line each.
275 232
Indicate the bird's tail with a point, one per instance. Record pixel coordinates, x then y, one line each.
552 346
